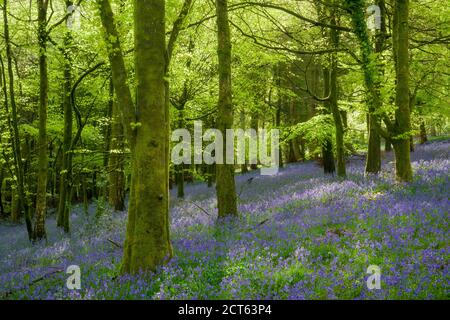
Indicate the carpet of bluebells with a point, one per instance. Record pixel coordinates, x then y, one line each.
300 235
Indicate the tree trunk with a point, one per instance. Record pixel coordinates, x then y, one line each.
254 122
244 166
329 166
339 127
401 140
18 164
225 184
387 145
433 131
15 203
373 160
278 124
180 180
66 164
147 240
179 169
116 192
41 194
296 150
423 132
372 79
84 190
2 173
328 157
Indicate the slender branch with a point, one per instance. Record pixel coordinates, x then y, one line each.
297 15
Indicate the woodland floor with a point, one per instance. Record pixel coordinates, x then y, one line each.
300 235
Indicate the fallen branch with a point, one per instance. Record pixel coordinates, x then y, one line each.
262 222
114 243
206 212
45 276
243 185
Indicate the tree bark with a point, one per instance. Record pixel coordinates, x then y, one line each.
2 176
41 194
66 163
372 82
423 132
244 166
373 160
329 166
401 139
147 242
254 124
149 188
225 184
387 145
280 102
116 158
328 157
18 164
339 127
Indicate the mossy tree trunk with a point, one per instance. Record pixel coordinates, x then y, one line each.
41 194
399 130
244 166
295 152
387 145
147 242
116 158
254 124
225 184
279 107
423 132
373 160
329 166
151 245
402 126
2 176
18 163
179 169
66 161
338 124
372 83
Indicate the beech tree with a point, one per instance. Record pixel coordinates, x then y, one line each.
226 189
